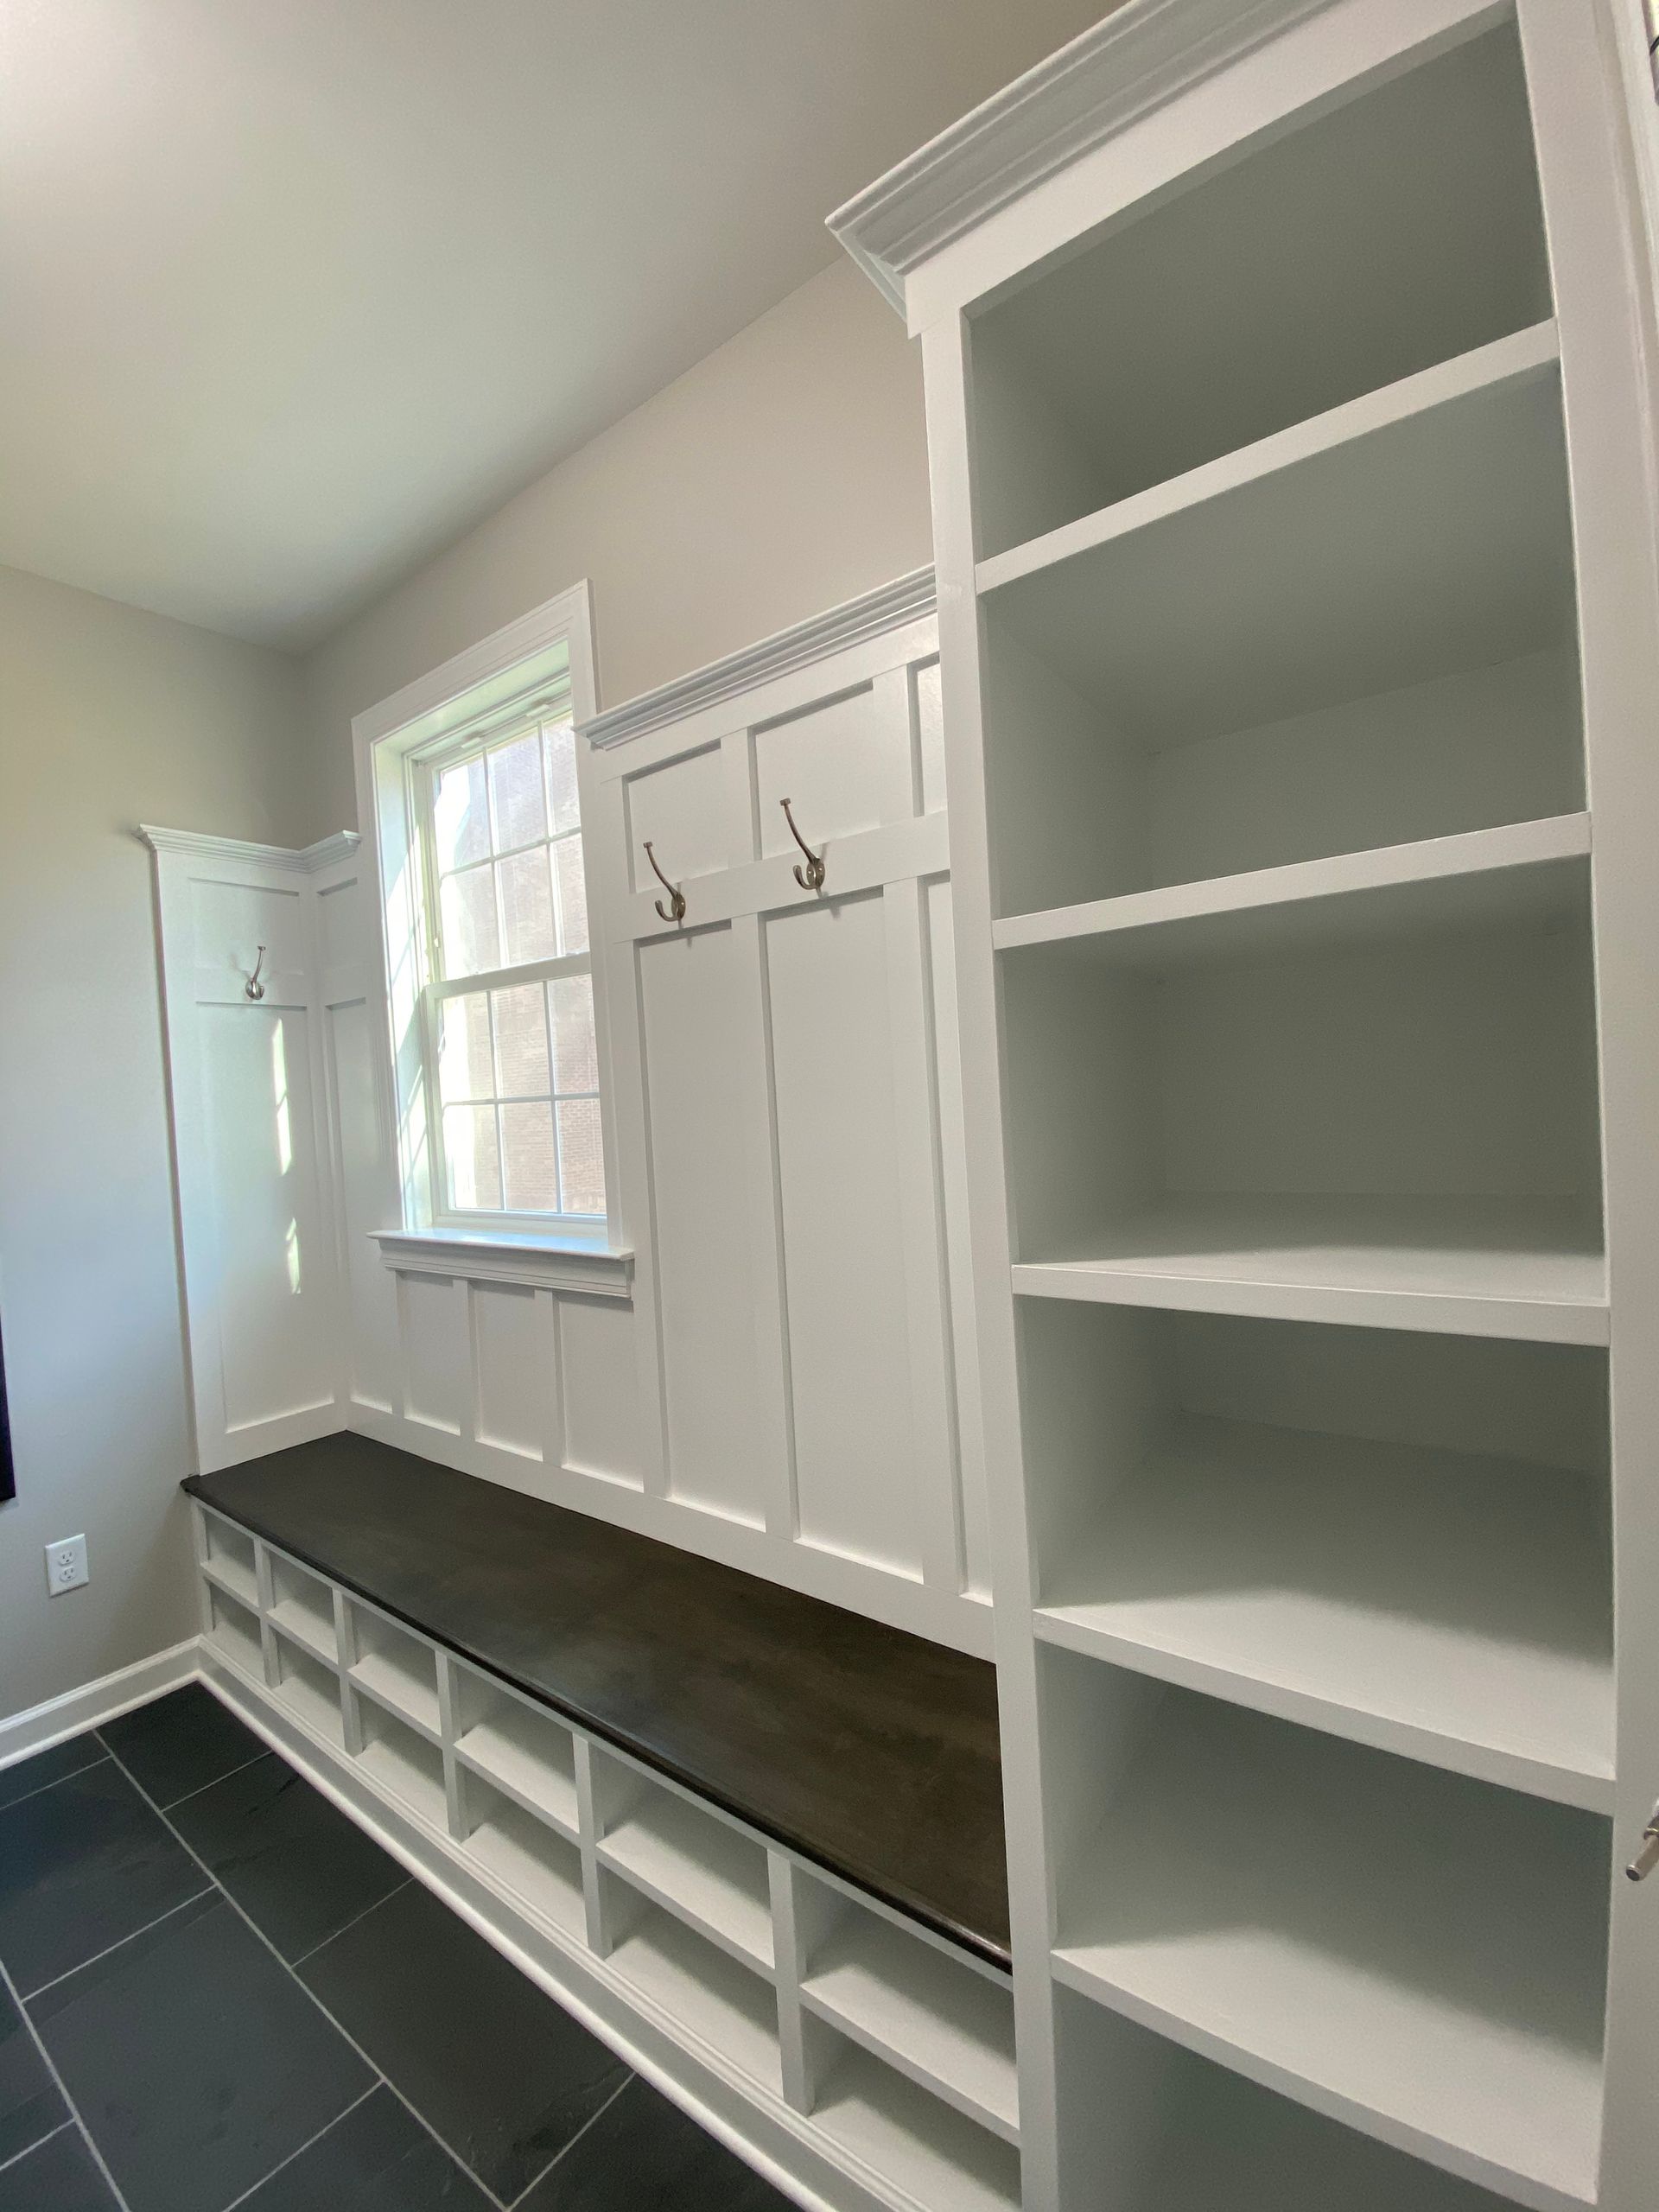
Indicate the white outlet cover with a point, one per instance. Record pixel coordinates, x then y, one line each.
65 1565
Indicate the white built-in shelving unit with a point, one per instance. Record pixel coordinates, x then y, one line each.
872 2062
1288 394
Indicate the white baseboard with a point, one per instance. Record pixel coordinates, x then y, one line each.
42 1725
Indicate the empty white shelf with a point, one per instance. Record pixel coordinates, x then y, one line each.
1478 877
405 1765
908 2139
235 1578
402 1684
729 2011
309 1625
312 1697
1455 1608
542 1870
236 1633
947 2027
1524 1267
1405 1949
529 1760
700 1869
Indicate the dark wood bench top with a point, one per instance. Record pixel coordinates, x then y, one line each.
868 1750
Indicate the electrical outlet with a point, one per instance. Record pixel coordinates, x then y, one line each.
65 1565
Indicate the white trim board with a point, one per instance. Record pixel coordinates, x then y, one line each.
76 1711
198 844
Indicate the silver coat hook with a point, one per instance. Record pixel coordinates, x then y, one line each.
811 877
675 910
1647 1857
256 989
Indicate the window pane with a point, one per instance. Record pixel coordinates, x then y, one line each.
526 908
575 1056
467 923
521 1042
573 894
473 1158
582 1158
529 1161
460 823
562 805
464 1070
516 793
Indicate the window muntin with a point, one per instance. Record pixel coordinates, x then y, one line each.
513 1061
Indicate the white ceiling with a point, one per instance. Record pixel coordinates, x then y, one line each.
294 291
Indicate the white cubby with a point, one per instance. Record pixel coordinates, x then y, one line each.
540 1866
303 1609
1182 2134
945 2025
1411 1113
1416 1952
1401 1537
527 1754
1296 276
310 1691
228 1560
692 1862
727 2008
938 2160
398 1670
233 1629
401 1760
1166 706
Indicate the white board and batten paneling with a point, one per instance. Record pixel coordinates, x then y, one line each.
787 1107
1289 373
260 967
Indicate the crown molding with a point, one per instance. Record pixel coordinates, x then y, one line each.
195 844
907 599
1140 58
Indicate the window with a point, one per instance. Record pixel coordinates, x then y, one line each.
509 1056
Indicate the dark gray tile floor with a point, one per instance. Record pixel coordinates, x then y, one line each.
216 1991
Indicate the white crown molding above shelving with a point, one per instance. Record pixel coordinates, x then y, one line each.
907 599
1137 60
196 844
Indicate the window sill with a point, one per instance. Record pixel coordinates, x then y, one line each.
498 1256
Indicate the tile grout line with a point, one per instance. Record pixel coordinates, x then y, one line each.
51 2066
592 2120
294 1965
29 2149
195 1897
61 1779
350 2041
174 1803
300 2150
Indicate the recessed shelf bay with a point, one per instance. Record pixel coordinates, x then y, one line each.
941 2161
730 2010
699 1868
529 1758
397 1670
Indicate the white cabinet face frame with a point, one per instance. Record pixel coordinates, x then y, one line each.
1117 125
786 1094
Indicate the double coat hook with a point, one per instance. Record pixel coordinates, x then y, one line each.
811 878
675 910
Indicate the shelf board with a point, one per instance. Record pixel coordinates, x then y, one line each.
1406 1950
727 2009
1450 1607
510 1758
944 2024
697 1867
1530 1269
525 1859
307 1626
388 1764
239 1644
312 1704
390 1682
235 1579
912 2142
1526 353
1436 538
1479 878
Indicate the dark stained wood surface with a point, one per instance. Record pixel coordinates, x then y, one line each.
869 1751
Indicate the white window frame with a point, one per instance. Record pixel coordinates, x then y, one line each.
478 692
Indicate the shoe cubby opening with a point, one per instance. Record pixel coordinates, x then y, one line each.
541 1867
1415 1111
1427 1951
688 1859
303 1609
1374 646
396 1668
527 1753
228 1558
946 2025
309 1690
700 1985
234 1629
1400 1536
402 1761
939 2159
1146 2125
1354 247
